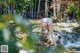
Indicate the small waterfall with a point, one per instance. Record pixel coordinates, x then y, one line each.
69 39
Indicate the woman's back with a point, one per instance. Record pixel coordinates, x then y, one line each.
46 20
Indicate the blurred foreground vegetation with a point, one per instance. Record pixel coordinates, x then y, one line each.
11 33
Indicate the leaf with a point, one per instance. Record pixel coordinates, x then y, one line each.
7 17
24 28
2 25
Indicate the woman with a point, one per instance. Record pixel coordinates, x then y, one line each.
48 25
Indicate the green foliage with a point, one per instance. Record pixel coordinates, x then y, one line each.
19 5
6 18
10 1
22 5
71 7
23 28
28 44
0 2
50 50
78 15
54 20
2 25
6 31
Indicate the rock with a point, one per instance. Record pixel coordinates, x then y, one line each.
37 29
68 24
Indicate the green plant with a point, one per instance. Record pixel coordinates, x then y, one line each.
7 28
78 15
55 20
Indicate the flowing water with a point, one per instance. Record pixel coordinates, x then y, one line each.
68 38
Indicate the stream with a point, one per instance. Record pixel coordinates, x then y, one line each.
68 38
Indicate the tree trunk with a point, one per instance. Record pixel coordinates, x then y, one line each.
46 7
34 8
54 9
5 9
11 9
58 8
31 9
0 10
32 12
39 7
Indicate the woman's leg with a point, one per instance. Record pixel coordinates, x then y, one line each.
52 37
